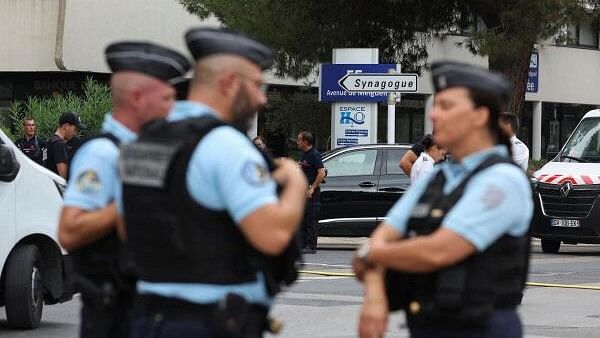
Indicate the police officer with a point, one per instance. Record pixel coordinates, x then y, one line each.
30 144
453 253
141 91
200 206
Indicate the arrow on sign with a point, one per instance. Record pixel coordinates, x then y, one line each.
387 83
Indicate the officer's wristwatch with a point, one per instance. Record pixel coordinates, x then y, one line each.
363 253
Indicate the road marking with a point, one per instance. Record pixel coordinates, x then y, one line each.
319 296
549 285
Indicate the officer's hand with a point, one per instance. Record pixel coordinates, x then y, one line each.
373 318
287 170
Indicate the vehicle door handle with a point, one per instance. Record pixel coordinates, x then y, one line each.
392 189
366 184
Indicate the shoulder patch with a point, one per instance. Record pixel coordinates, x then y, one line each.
255 173
493 197
88 182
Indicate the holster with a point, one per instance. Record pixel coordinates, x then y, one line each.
102 296
236 318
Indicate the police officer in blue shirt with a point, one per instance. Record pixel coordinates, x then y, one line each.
141 92
201 209
453 253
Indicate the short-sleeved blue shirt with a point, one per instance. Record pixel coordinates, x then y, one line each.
222 175
94 175
496 201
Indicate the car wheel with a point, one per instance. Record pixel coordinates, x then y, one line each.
550 245
24 291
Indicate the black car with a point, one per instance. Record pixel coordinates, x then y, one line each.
362 184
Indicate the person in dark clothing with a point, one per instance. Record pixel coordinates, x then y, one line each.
30 144
72 146
58 158
312 166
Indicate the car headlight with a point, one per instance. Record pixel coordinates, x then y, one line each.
534 182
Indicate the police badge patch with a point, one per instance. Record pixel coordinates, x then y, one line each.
88 182
255 173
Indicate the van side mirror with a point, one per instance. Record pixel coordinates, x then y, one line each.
9 167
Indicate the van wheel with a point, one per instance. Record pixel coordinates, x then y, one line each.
24 290
550 245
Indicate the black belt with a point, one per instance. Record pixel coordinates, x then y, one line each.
217 319
173 307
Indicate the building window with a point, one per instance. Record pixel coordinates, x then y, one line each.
584 34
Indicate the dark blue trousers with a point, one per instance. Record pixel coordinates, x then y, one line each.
158 327
502 324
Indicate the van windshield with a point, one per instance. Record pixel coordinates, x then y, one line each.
584 144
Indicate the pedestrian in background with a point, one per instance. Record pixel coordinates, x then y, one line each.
409 157
520 152
30 144
58 158
453 252
311 164
432 155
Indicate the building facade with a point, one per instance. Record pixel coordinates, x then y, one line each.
53 45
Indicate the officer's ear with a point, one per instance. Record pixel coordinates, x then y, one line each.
229 84
480 117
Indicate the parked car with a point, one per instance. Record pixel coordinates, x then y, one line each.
567 190
33 264
362 184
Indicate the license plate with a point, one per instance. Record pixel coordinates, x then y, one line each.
569 223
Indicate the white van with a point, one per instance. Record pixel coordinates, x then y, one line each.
567 190
32 262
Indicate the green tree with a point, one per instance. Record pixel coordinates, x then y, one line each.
303 33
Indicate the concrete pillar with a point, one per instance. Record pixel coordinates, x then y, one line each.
428 128
391 119
536 144
253 131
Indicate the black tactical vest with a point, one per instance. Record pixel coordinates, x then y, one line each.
466 294
103 259
173 238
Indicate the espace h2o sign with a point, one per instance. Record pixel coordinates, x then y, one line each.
353 123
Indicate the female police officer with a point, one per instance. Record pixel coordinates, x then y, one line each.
453 253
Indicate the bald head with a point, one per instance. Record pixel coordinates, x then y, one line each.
122 84
139 98
209 69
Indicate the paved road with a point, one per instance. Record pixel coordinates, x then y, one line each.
327 306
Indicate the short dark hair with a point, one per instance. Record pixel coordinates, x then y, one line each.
495 106
28 119
307 137
510 119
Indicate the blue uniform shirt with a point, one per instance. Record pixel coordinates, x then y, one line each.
496 201
221 176
94 175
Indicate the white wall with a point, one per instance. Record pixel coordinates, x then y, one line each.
28 29
92 24
568 75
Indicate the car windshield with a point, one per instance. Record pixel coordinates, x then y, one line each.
584 144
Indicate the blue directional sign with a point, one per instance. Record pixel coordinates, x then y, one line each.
330 89
532 76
